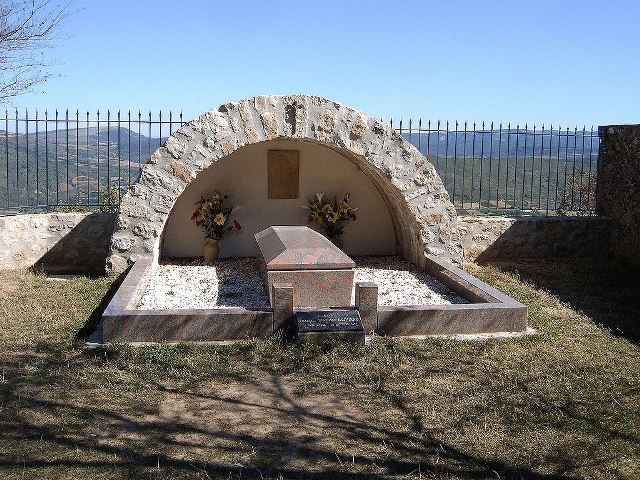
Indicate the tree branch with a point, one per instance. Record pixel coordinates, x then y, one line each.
26 27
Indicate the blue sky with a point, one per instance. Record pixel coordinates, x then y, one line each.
560 62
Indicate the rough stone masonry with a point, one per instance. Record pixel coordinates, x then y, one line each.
423 215
618 187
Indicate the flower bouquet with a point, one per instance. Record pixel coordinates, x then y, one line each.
213 216
331 215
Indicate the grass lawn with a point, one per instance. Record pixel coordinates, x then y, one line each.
564 403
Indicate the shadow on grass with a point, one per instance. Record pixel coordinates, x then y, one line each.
92 329
54 433
606 291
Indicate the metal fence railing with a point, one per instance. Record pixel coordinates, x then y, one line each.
71 161
74 161
511 169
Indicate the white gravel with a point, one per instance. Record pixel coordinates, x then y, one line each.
237 283
401 283
193 284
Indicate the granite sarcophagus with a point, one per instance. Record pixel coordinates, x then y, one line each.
321 274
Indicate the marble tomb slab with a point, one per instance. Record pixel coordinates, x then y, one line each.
321 274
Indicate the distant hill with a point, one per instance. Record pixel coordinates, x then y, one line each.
515 172
525 172
75 164
495 144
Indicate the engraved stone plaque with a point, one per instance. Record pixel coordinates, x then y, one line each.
328 321
322 326
283 172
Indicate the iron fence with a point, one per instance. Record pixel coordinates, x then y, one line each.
71 161
511 169
76 161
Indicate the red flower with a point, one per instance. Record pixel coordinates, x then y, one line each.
237 225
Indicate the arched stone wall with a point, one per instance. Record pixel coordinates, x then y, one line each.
422 214
243 176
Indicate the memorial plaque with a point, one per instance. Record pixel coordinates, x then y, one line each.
283 172
325 326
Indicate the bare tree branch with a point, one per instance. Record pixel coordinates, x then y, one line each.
27 29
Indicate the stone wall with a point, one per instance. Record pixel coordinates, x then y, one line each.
496 238
243 177
78 243
618 188
418 204
59 243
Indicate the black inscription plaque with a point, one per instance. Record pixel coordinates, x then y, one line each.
328 321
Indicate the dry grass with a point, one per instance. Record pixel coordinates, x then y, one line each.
560 404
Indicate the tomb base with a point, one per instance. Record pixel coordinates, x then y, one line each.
315 288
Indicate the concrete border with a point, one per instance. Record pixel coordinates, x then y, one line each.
491 311
122 322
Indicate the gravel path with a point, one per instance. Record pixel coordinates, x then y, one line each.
237 283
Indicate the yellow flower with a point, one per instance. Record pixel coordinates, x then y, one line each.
219 219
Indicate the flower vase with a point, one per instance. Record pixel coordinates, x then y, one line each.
337 241
210 250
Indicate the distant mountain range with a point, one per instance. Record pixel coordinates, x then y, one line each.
486 169
505 143
75 164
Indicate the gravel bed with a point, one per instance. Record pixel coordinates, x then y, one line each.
400 282
235 282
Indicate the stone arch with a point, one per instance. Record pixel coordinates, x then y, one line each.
422 214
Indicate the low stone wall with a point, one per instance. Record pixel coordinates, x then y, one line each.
78 243
495 238
59 243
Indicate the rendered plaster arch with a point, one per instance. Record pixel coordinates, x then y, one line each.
422 214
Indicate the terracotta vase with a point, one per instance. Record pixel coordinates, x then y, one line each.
210 250
337 241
